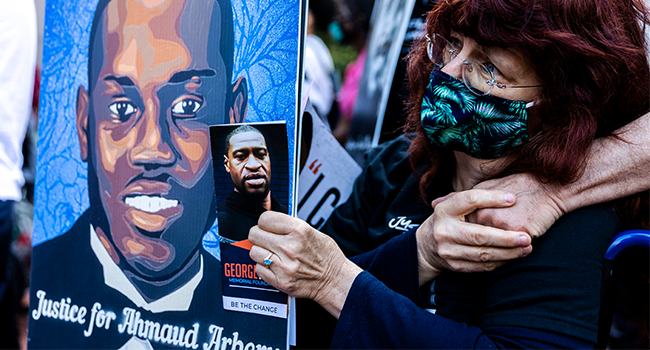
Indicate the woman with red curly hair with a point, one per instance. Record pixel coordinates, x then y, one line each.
498 87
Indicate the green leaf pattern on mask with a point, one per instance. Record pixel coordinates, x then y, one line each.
502 123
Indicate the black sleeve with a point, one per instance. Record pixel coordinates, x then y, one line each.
375 317
400 251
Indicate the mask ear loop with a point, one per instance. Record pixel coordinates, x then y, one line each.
528 105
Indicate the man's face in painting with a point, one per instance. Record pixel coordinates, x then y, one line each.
144 128
249 164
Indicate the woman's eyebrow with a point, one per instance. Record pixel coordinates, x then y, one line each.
488 50
498 55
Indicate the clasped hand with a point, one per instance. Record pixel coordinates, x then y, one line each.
306 263
448 241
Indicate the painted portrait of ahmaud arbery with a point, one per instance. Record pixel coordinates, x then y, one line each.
132 271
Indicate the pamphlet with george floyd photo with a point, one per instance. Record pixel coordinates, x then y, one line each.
127 221
251 175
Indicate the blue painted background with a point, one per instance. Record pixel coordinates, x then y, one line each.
266 54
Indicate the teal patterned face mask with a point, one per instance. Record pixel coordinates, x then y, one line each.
483 127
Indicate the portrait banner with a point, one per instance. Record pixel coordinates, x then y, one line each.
126 232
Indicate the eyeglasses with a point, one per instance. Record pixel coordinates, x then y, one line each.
478 78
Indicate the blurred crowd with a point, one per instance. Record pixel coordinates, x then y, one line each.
334 59
19 96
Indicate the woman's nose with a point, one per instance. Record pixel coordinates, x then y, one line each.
455 67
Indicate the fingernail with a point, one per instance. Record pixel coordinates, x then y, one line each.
522 241
509 197
526 250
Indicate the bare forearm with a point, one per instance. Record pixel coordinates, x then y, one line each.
616 168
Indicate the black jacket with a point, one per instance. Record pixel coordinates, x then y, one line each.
384 202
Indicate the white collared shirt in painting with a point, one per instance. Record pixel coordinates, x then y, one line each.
114 277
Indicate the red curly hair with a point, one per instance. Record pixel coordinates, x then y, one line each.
590 56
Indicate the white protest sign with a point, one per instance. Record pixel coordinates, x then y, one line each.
327 178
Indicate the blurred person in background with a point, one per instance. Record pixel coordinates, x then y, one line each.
355 24
17 64
319 68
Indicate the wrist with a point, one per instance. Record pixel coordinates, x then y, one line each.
336 287
559 197
426 270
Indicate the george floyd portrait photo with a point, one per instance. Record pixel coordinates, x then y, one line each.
126 250
253 177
